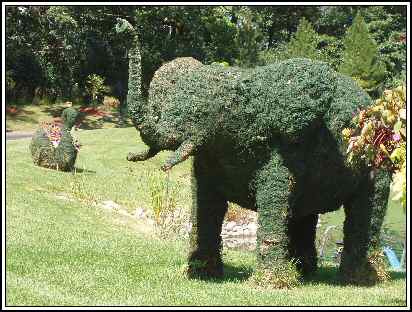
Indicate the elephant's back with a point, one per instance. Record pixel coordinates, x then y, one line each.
290 97
201 100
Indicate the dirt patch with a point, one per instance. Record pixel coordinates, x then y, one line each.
137 221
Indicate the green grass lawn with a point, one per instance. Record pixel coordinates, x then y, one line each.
63 249
27 117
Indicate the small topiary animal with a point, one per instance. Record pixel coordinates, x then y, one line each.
52 145
268 139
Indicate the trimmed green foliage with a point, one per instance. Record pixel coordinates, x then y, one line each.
269 140
63 156
164 80
95 87
360 58
134 95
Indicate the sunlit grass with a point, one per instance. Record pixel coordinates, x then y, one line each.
62 248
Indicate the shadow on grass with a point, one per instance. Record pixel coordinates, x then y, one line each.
22 115
395 302
54 111
92 122
236 273
395 275
89 122
326 275
83 170
231 274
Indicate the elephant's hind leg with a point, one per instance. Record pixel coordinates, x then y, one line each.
302 232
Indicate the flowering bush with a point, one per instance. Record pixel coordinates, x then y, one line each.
54 132
76 143
95 87
378 138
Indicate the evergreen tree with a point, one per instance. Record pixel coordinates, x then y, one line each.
248 36
304 41
360 56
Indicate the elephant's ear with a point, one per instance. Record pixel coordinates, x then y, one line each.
165 78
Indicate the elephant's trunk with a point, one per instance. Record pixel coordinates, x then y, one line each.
135 102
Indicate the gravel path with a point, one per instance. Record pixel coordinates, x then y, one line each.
15 135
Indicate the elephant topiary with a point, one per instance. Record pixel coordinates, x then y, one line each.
268 139
52 145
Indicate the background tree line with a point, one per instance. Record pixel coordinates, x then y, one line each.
56 52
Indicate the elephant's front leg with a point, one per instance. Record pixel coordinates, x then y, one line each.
208 211
275 268
186 149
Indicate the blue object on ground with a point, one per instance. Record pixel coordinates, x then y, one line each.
393 260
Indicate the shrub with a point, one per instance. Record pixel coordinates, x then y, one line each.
110 102
95 87
378 138
10 82
163 196
221 63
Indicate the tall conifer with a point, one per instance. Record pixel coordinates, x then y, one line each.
360 57
304 41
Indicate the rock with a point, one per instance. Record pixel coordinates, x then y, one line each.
188 227
139 213
123 212
230 225
230 244
252 227
237 232
246 232
64 197
109 204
